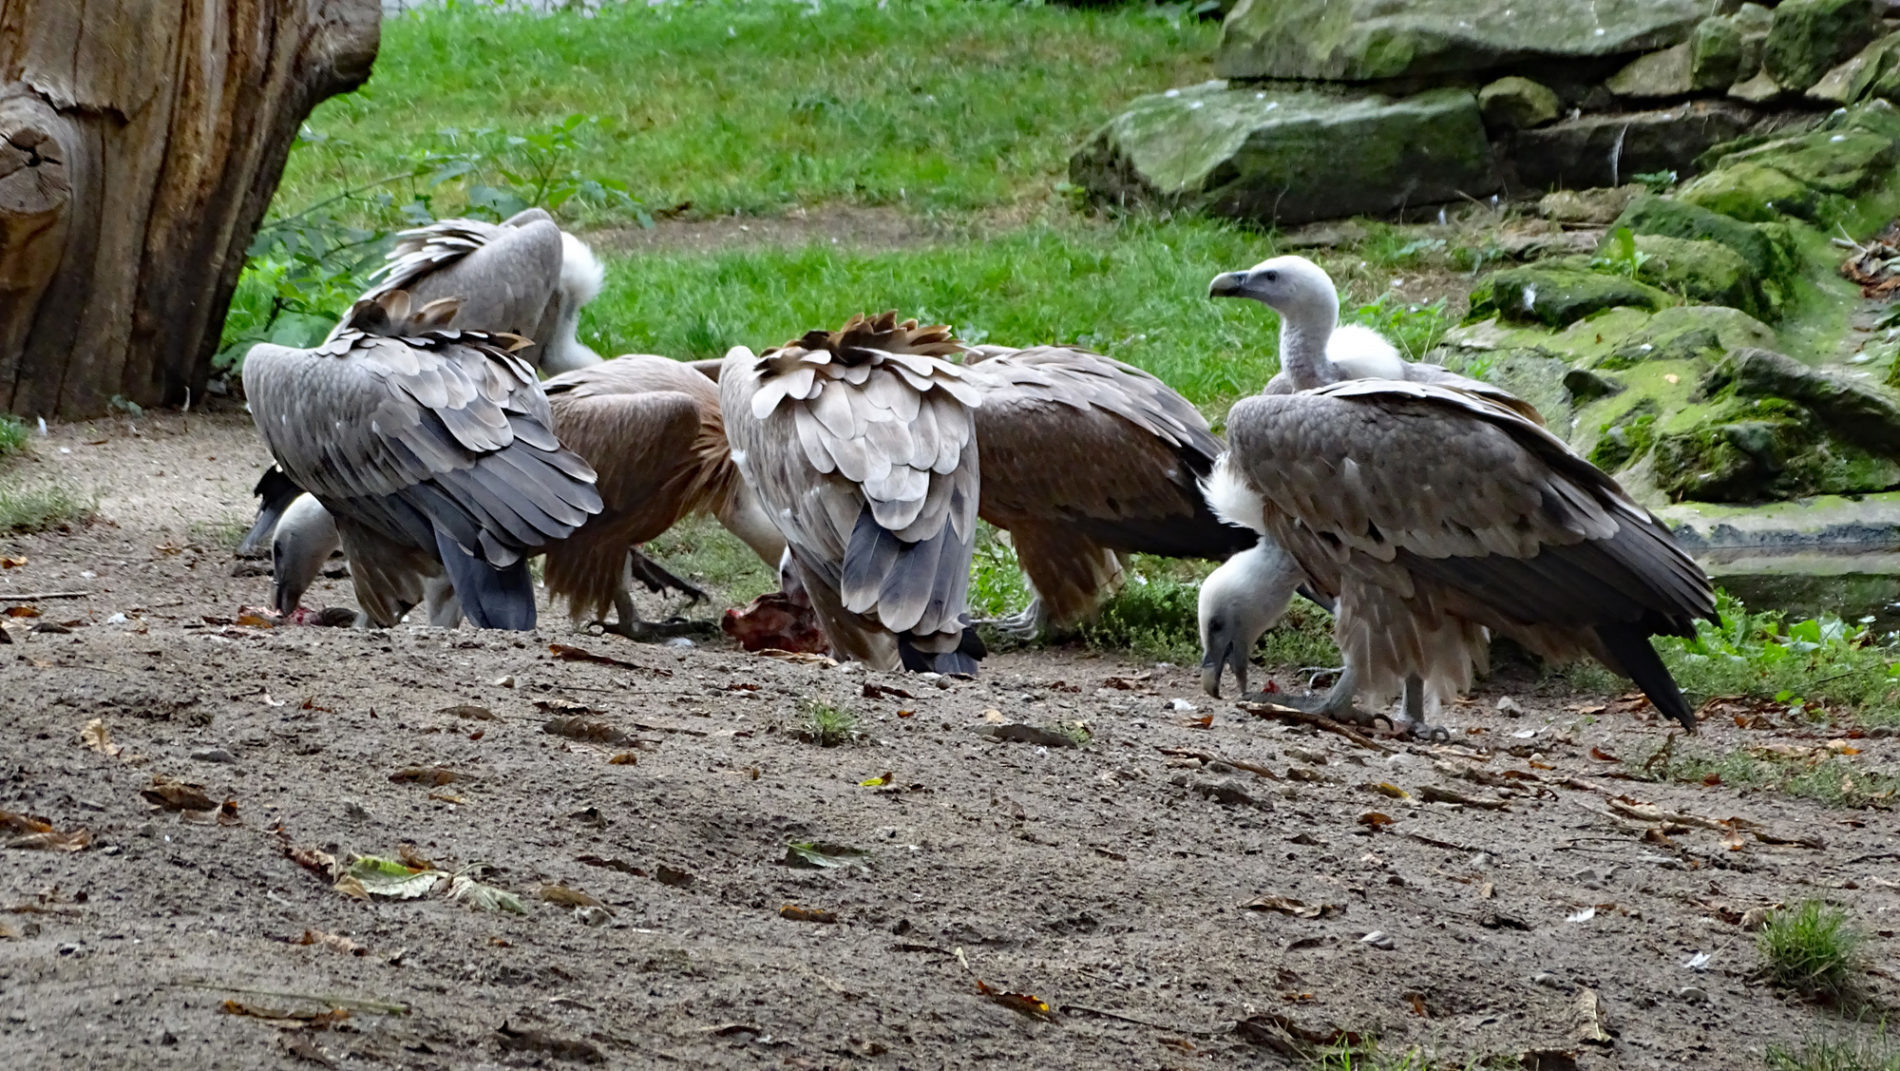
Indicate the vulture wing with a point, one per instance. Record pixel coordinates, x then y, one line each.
505 274
1429 510
440 440
862 445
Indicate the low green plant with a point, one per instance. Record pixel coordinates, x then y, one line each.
1813 949
42 506
1655 181
1415 327
12 434
828 725
1823 776
1620 256
1837 1053
699 550
1153 616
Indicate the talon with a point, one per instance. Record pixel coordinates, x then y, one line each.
1317 673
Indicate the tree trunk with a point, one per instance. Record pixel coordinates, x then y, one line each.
140 143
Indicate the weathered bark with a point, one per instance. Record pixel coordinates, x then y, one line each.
140 143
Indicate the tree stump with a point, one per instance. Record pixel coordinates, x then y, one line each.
140 144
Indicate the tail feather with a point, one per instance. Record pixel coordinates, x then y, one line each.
490 597
1636 659
960 661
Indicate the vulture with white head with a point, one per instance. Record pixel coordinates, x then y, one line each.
652 428
861 443
1435 513
1314 347
1085 459
433 450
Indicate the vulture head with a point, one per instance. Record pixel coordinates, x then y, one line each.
1239 602
1295 287
303 541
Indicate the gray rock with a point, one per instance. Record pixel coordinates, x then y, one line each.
1591 207
1606 150
1808 37
1288 155
1517 103
215 754
1857 412
1705 272
1556 295
1659 74
1368 40
1760 88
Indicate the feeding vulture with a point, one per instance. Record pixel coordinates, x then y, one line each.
1433 513
1241 600
433 450
653 431
1086 458
861 443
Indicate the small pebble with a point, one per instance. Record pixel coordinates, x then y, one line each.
1509 707
1182 706
1378 939
147 829
1544 978
213 754
680 641
505 682
1694 993
592 915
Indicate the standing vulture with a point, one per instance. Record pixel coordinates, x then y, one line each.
1086 458
432 448
861 443
652 429
1433 513
1241 600
523 276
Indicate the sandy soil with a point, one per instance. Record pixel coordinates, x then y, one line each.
1129 883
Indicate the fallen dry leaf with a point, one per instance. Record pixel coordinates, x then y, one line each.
284 1017
566 897
624 758
1298 909
27 833
170 794
586 731
331 940
22 611
435 776
807 914
94 736
567 653
8 561
470 711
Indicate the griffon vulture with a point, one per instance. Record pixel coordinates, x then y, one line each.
1240 601
861 443
523 276
432 448
652 429
1086 458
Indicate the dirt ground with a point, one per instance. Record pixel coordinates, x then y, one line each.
1173 907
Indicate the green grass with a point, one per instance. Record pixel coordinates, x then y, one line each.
827 725
43 506
12 435
699 550
1812 949
1838 1054
751 107
1825 777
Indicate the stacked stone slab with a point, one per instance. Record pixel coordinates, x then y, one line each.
1331 108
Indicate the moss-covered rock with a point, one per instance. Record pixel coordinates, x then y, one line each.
1739 453
1557 295
1517 103
1752 192
1605 148
1660 74
1808 37
1704 272
1626 437
1288 155
1702 334
1845 161
1369 40
1716 55
1855 79
1767 259
1849 408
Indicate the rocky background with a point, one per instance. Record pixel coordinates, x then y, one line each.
1702 170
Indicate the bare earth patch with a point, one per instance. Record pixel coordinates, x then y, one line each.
1180 890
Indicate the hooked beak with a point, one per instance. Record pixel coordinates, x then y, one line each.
256 542
1228 284
1221 654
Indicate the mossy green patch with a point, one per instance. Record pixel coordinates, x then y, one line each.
1626 437
1752 192
1701 271
1557 296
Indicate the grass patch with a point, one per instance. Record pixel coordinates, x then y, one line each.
827 725
1812 949
12 435
751 107
44 506
699 550
1820 667
1813 773
1838 1054
1134 289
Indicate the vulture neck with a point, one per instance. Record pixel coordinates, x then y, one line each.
566 352
1303 337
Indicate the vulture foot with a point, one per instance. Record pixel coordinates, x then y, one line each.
656 631
1022 626
1315 674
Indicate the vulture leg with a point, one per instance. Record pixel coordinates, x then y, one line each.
627 621
438 595
658 580
1025 624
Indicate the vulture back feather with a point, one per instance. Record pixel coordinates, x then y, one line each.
1434 513
862 445
425 443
